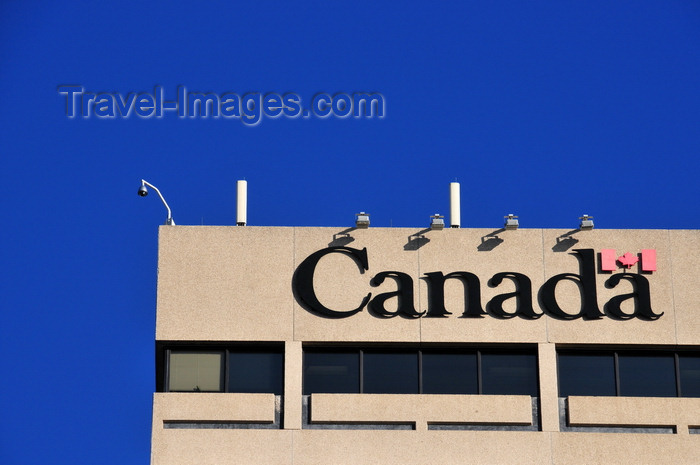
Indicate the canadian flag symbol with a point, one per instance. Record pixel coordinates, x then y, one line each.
609 259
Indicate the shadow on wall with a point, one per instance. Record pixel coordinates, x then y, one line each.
417 240
566 241
342 238
490 241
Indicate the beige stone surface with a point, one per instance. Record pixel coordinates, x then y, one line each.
203 406
680 412
234 284
224 283
483 252
357 447
608 330
318 447
686 284
620 448
293 371
421 409
222 446
216 446
549 388
340 285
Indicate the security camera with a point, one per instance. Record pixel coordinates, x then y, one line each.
143 192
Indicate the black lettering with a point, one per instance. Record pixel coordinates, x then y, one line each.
587 285
640 294
303 281
522 294
404 294
436 294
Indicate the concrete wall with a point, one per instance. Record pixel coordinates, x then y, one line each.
235 284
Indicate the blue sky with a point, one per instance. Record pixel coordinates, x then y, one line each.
545 109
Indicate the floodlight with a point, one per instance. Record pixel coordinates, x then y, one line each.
586 223
437 222
511 223
362 220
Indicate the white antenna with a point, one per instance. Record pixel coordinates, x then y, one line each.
241 203
455 219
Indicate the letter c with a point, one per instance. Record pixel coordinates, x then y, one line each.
303 281
321 104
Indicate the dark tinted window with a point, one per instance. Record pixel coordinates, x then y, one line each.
509 373
259 371
390 372
690 375
586 374
412 371
449 373
633 373
647 375
331 372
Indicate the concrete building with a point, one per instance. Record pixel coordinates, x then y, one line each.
294 345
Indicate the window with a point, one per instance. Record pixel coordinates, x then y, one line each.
628 373
232 369
689 367
586 374
390 372
509 373
196 371
332 371
651 375
255 371
428 371
450 372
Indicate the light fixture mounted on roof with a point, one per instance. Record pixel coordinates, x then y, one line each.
362 220
586 223
437 222
143 192
511 223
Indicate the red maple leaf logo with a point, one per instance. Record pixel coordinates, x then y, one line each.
628 260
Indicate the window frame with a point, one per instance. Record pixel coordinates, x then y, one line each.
691 354
223 368
528 349
164 350
616 353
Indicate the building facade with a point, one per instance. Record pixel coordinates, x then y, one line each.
286 345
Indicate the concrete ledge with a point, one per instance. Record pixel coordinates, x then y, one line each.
421 409
216 407
680 412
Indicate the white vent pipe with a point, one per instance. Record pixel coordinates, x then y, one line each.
241 203
455 219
